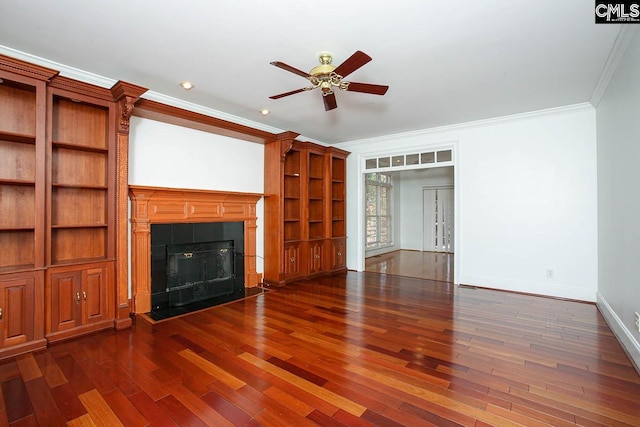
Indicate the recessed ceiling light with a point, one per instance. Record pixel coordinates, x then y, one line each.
187 85
264 111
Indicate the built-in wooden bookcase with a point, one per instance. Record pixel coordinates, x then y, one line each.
18 152
304 210
336 211
22 216
80 177
79 289
338 196
292 196
316 195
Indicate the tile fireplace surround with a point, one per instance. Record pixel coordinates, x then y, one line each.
155 205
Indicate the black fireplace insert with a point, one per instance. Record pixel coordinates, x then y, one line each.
197 271
194 262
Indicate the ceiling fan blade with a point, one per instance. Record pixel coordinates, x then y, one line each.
367 88
291 69
282 95
329 101
352 63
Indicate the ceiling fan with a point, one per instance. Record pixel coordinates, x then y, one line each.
327 77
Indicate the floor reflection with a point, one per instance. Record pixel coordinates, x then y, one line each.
424 265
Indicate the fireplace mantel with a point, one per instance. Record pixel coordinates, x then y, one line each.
158 205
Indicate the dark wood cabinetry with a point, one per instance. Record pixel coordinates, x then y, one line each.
78 298
21 317
305 228
81 213
57 207
22 201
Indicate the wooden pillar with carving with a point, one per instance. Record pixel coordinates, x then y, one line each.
125 95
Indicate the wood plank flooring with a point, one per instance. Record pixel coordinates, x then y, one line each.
425 265
361 349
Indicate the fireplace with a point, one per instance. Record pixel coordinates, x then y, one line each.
178 214
198 272
194 262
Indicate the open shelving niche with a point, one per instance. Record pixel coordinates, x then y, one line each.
18 155
79 181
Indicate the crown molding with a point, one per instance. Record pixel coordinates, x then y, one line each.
64 70
97 80
620 45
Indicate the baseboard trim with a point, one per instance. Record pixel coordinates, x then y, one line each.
628 342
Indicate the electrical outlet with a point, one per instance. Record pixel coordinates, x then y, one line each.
550 273
637 318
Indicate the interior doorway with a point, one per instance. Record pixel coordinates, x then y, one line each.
422 220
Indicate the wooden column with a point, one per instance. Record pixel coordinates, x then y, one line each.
125 95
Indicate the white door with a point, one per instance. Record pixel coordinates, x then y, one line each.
438 219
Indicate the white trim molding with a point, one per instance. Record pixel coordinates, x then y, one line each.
624 336
622 42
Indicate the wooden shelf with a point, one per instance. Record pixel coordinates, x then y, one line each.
17 248
20 182
80 186
18 111
91 135
79 147
17 138
69 226
17 268
70 244
79 261
17 228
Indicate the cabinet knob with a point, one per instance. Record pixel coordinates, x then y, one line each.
77 296
339 254
84 295
0 313
292 259
318 256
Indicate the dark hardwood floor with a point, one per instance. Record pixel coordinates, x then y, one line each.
352 350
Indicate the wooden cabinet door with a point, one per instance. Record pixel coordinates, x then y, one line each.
94 304
338 254
316 257
66 300
292 261
16 311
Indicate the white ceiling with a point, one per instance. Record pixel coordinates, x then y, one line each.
446 62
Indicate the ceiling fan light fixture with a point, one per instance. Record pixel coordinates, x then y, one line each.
325 66
326 77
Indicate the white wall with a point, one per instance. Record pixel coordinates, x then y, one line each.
525 200
412 212
618 200
164 155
